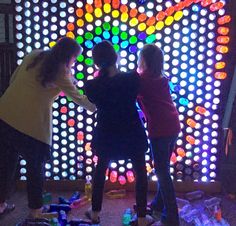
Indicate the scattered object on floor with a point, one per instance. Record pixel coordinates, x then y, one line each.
127 216
8 208
195 195
116 194
47 198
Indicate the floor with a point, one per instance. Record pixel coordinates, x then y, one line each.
112 209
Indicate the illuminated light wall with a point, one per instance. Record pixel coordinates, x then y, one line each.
194 35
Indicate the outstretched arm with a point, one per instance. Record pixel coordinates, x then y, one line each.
65 83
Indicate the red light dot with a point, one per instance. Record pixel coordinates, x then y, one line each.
71 122
63 110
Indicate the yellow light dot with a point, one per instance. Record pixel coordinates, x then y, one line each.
169 20
150 30
51 44
70 34
142 27
124 17
80 23
159 25
89 17
98 12
107 8
133 22
178 15
115 13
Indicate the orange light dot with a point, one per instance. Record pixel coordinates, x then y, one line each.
222 49
80 23
123 8
179 6
89 8
169 11
223 39
220 65
181 152
200 110
216 6
151 21
205 3
133 12
223 30
191 123
115 4
79 12
142 17
98 3
160 16
70 35
220 75
224 20
70 26
107 1
190 139
188 2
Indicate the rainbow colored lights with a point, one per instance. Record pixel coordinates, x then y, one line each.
194 35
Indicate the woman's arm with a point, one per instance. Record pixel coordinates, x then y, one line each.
65 83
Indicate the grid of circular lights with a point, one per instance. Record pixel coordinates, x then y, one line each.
194 37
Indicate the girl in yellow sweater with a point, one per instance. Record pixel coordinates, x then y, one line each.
26 116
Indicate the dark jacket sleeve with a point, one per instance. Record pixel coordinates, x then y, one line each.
133 84
89 89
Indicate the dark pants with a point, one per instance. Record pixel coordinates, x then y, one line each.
141 183
165 200
12 144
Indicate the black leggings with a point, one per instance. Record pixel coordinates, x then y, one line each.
141 183
12 144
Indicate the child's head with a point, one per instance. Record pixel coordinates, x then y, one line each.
104 55
151 60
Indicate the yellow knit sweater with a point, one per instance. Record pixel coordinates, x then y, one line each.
27 105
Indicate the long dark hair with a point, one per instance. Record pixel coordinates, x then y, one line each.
104 56
153 58
52 59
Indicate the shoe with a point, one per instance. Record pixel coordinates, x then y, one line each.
149 209
8 208
145 221
94 220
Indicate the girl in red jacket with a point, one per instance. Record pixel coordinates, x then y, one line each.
163 127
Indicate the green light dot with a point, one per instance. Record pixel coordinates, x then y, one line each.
80 75
115 30
98 30
116 47
133 40
80 39
123 35
69 99
81 92
88 35
89 61
80 58
106 26
150 39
